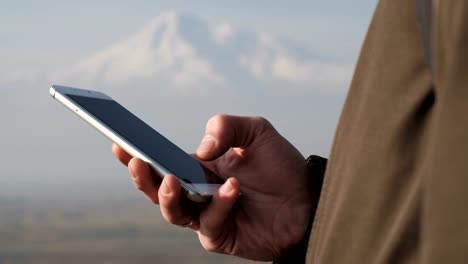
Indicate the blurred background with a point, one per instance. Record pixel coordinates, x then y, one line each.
63 196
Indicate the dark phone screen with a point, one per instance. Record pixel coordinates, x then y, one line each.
145 138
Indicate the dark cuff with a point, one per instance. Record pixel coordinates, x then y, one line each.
316 167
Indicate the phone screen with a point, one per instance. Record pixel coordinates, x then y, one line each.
145 138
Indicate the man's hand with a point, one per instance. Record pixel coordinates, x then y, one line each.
263 208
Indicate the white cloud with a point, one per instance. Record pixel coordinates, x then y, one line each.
267 41
223 32
255 65
287 69
270 62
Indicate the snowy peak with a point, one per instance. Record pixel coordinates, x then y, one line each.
182 54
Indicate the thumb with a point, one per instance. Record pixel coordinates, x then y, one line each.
225 131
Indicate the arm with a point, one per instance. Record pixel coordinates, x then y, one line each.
445 186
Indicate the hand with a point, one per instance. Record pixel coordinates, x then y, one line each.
263 208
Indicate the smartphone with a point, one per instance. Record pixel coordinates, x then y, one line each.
139 140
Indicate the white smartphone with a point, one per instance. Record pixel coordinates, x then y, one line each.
139 140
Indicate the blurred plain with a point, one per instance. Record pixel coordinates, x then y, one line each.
63 196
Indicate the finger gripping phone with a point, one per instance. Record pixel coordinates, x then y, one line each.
139 140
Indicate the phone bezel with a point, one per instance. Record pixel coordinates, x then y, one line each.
195 192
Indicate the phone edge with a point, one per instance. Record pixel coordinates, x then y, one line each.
113 136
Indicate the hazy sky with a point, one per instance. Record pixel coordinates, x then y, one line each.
47 34
47 150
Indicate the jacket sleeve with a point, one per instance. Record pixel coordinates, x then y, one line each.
316 166
444 229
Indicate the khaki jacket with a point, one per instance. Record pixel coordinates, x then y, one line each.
396 184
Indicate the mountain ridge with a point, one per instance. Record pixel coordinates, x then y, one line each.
184 54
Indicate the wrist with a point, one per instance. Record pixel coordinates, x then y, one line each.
316 167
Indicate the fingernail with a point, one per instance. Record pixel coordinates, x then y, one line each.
165 188
207 144
227 187
132 170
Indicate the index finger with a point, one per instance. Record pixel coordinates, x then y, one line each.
121 154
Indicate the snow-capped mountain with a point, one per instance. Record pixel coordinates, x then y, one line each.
182 54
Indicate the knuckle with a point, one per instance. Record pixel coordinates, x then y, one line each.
216 120
219 244
261 122
211 247
139 186
262 126
170 219
233 159
168 203
154 200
